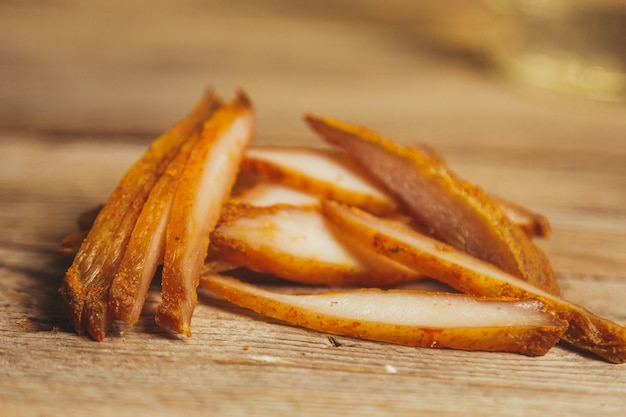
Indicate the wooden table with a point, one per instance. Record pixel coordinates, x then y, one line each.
85 86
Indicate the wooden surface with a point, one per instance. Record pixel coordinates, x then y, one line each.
85 86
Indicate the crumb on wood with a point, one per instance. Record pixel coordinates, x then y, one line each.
333 342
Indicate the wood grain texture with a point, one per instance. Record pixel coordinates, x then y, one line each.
84 88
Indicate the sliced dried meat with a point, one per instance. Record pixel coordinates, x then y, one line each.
406 317
321 172
470 275
85 288
299 245
203 187
146 247
456 211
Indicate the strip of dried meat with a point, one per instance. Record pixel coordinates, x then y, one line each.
532 223
298 244
203 187
456 212
85 288
321 172
406 317
146 247
470 275
265 194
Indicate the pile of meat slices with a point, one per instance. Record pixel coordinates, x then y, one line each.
358 216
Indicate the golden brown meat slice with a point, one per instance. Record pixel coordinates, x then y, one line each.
146 247
266 194
203 187
406 317
473 276
321 172
532 223
86 285
298 244
456 211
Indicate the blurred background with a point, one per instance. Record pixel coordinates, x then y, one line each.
450 67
